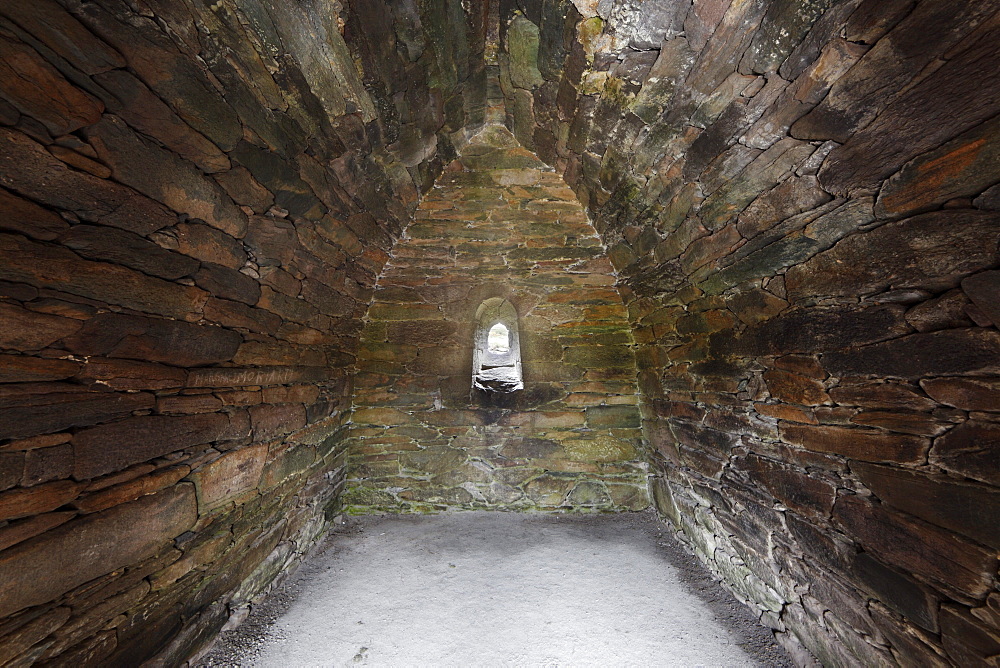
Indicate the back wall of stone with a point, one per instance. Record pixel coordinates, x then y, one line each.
498 224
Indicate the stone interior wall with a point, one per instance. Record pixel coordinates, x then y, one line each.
196 200
800 200
499 223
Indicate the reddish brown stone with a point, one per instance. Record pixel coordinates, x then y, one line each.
273 421
52 407
972 449
294 394
50 23
16 532
240 184
122 374
28 330
918 424
29 501
933 251
128 249
18 644
917 546
944 312
947 352
25 217
754 306
971 394
130 490
61 269
143 110
114 446
799 491
156 340
227 283
38 90
187 404
984 291
969 509
243 377
28 169
210 245
795 389
229 476
786 412
968 641
38 570
881 395
47 464
23 369
234 314
863 444
897 590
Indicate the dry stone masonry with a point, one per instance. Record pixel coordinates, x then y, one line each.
751 247
197 198
499 226
801 201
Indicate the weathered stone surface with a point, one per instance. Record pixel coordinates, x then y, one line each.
795 389
61 269
936 108
121 374
917 546
229 476
972 449
29 501
971 394
28 330
945 312
966 640
971 510
933 251
227 283
866 445
48 22
41 569
38 90
140 108
157 340
27 218
121 247
47 408
210 245
24 369
272 421
897 590
953 351
963 167
28 169
114 446
984 289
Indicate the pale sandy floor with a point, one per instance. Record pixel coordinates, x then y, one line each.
500 589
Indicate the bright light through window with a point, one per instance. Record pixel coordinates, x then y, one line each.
498 340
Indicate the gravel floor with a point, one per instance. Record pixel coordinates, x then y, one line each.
499 589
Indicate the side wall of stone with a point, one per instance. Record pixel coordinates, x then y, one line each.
499 223
195 201
800 199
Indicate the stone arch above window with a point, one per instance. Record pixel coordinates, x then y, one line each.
496 359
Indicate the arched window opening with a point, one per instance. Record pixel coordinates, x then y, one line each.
496 360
